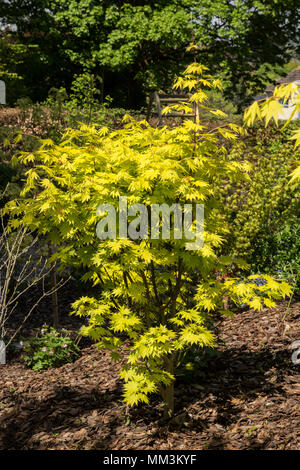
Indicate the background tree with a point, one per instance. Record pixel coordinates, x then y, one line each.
30 23
137 46
12 54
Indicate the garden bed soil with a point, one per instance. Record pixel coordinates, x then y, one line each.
248 397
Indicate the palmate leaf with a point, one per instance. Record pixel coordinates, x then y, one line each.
296 137
286 91
255 303
253 295
138 381
271 109
269 303
252 113
295 175
124 320
195 334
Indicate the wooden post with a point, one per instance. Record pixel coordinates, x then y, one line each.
2 353
149 107
55 313
54 299
158 107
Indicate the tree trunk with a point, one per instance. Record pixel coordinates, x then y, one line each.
54 298
167 392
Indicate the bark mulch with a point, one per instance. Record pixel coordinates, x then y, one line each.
247 398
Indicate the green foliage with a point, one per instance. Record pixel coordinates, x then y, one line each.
148 40
85 91
266 74
7 173
256 208
270 109
82 105
51 349
284 243
279 252
253 83
217 100
154 292
12 53
263 210
11 142
138 46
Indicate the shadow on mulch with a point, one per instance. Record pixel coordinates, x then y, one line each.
244 399
236 374
53 415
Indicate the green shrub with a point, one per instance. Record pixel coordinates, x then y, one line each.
217 100
279 252
51 349
262 211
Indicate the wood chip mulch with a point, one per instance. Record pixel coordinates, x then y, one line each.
247 398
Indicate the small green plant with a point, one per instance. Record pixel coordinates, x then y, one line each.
217 100
85 88
50 348
56 103
280 253
83 104
250 430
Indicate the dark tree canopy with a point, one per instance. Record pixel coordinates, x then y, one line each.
137 46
